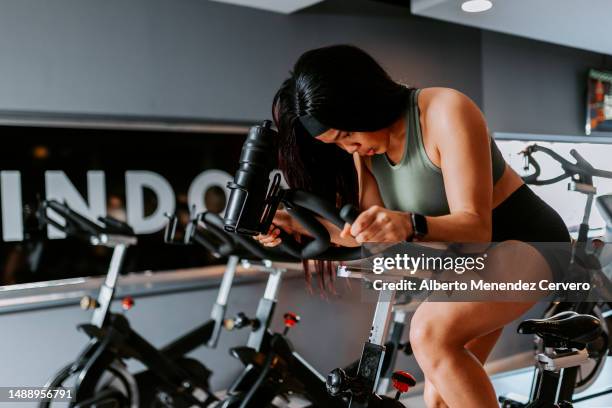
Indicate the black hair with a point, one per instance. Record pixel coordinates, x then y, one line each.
340 87
344 88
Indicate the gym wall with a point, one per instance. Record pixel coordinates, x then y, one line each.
215 62
204 59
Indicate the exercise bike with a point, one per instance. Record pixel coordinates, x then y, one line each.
573 339
99 374
287 374
251 207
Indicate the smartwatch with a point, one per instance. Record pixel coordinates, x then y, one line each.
419 226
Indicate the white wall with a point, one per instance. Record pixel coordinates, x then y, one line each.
569 204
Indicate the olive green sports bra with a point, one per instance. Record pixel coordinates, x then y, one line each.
416 184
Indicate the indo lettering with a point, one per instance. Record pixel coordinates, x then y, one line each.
92 203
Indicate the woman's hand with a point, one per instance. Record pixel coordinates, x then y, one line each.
281 220
378 224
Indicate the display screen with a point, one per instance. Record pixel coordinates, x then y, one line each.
599 103
135 176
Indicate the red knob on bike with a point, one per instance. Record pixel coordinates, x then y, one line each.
402 381
291 319
127 303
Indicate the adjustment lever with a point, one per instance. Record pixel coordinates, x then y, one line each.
240 321
402 381
127 303
291 320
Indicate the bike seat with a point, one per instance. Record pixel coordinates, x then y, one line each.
604 205
566 328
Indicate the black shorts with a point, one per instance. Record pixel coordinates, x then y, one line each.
524 216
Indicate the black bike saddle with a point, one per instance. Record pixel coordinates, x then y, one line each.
565 327
604 205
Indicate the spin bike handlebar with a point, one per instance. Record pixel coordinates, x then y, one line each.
221 243
226 245
581 168
81 227
248 245
304 207
254 199
212 239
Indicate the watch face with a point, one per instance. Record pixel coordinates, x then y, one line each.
419 225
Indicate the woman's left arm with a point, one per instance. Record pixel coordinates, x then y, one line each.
455 126
458 129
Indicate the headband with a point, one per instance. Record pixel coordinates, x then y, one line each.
312 125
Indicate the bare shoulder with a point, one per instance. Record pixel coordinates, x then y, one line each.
444 99
443 106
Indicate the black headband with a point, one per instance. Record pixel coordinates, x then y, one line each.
312 125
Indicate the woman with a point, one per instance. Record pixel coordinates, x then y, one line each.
420 166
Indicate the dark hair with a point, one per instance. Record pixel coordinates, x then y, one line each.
342 87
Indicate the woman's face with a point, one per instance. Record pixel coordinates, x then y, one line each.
362 143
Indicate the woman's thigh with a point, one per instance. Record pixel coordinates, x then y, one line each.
461 322
456 324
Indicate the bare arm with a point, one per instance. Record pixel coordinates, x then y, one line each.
369 196
457 137
458 129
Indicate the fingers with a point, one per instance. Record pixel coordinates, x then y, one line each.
346 231
378 226
364 220
271 239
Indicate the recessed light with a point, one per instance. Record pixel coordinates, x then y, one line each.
476 6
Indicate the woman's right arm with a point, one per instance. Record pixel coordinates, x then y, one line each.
369 195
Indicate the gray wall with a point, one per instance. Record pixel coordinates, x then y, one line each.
535 87
197 58
212 61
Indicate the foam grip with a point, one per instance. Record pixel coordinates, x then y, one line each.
314 204
72 217
214 224
201 240
321 241
288 250
289 245
349 213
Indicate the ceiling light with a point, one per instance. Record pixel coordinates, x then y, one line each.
476 6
